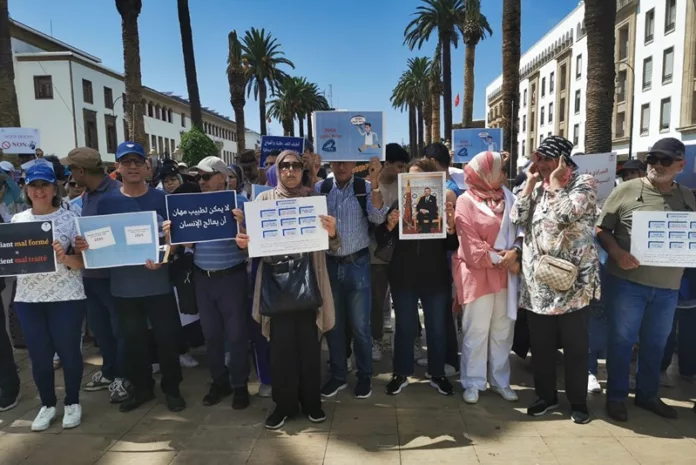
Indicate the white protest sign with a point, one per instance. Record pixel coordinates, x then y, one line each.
141 234
664 239
19 140
99 238
603 167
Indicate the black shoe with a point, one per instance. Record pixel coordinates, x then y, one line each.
136 400
658 407
217 393
617 411
8 402
540 407
442 385
175 403
332 387
396 385
317 416
276 419
363 389
240 400
579 414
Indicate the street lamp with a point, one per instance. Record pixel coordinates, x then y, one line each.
633 101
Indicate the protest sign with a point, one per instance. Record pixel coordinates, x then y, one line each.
19 140
349 135
286 226
467 143
36 161
256 189
664 239
278 144
26 248
202 217
603 167
687 177
422 206
122 239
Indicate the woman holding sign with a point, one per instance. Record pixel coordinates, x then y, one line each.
48 303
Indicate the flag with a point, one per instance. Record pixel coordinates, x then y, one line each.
456 101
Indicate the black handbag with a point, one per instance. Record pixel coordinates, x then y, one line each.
289 286
385 252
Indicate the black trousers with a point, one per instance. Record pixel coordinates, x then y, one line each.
9 380
295 362
380 287
571 330
134 314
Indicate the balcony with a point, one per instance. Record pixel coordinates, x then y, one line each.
621 4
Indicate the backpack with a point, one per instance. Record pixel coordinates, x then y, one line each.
359 189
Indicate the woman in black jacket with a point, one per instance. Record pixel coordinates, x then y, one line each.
418 270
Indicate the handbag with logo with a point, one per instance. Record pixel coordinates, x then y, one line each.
289 285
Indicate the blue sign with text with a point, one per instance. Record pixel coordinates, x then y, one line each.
467 143
688 176
203 217
271 144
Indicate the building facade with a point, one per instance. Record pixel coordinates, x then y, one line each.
74 100
651 90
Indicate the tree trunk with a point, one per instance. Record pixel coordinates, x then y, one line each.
600 17
412 136
512 11
9 108
241 130
447 83
419 122
300 121
310 136
427 119
129 11
190 63
262 107
468 107
287 127
435 118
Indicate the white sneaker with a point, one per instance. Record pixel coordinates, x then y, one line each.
72 416
155 368
187 361
471 395
376 351
43 419
506 393
265 390
593 385
666 380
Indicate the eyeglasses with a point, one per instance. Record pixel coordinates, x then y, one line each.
287 166
664 161
206 176
132 162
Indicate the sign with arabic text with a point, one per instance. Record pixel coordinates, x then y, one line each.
202 217
270 144
603 167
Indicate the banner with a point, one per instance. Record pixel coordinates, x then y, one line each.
467 143
286 226
603 167
202 217
688 176
256 189
26 248
19 140
278 144
664 239
422 206
123 239
349 135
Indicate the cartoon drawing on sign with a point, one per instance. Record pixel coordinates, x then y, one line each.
365 130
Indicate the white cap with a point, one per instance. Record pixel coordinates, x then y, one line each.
213 165
7 166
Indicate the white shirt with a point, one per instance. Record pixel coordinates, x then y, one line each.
64 284
368 138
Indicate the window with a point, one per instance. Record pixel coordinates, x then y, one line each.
621 86
550 112
524 100
623 43
620 130
87 95
541 122
578 67
667 65
111 134
160 147
650 26
576 134
524 123
90 128
670 15
153 144
531 122
169 115
150 110
551 82
564 76
562 110
43 87
645 119
183 120
533 95
524 148
647 73
665 110
108 100
541 139
577 101
543 87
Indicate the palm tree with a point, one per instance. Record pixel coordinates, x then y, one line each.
306 95
287 104
9 109
264 56
436 93
404 97
600 18
419 75
445 16
474 28
237 77
320 104
129 11
190 63
511 77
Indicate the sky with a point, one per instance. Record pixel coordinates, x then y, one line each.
353 48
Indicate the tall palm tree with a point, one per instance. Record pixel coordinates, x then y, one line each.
190 63
129 11
320 104
600 18
419 76
287 103
264 56
474 28
512 32
306 94
237 77
445 16
9 109
404 97
436 93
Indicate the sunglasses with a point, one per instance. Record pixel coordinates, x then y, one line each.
287 166
132 162
206 176
664 161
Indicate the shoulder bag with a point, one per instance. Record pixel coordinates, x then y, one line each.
289 285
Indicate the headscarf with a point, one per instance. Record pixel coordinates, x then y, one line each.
239 174
480 174
272 175
283 190
557 147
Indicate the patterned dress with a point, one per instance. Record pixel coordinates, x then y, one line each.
559 224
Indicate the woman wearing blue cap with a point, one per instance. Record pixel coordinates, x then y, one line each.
47 303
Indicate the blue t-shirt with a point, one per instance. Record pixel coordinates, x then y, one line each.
220 255
453 186
137 281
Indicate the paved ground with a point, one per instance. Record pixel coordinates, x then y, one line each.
417 427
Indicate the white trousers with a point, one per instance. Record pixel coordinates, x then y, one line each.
487 333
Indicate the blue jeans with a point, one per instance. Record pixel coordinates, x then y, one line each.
351 289
599 324
436 308
50 328
642 313
103 321
684 342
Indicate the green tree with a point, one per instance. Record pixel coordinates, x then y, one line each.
129 11
196 145
237 78
288 103
474 28
190 63
9 108
419 75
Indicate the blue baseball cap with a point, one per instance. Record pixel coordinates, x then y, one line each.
41 172
127 147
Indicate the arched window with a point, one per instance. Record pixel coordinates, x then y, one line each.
151 110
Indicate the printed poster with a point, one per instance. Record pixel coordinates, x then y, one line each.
422 206
123 239
349 135
257 189
278 144
202 217
467 143
286 226
603 167
26 248
19 140
688 176
664 239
